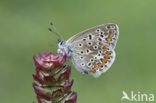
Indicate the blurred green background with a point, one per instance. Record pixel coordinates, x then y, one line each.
24 32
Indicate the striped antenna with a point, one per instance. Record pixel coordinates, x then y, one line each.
55 31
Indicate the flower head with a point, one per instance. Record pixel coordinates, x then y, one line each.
52 81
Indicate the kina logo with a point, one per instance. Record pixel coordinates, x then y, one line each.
137 96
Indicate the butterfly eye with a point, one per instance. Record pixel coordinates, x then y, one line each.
91 59
102 35
87 51
84 39
95 47
106 63
89 64
82 64
98 30
80 45
99 39
108 58
81 57
110 53
81 52
89 43
99 54
101 66
95 57
60 42
100 51
101 32
90 37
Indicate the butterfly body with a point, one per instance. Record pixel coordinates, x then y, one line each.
92 51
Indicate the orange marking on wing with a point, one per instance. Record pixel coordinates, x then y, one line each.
105 47
106 58
94 69
107 53
103 61
99 64
108 40
101 43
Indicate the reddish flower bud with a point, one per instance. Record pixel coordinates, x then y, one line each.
57 94
67 86
52 79
72 98
41 92
64 75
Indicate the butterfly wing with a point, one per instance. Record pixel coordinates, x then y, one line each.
93 49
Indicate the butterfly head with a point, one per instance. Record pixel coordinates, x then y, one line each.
64 48
60 43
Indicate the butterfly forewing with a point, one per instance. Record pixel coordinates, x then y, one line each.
93 49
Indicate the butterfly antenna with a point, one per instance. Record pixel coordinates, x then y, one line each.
55 32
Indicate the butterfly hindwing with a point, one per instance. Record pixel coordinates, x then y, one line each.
93 49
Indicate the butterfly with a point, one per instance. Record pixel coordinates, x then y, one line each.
92 51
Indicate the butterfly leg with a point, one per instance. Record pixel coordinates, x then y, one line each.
85 72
